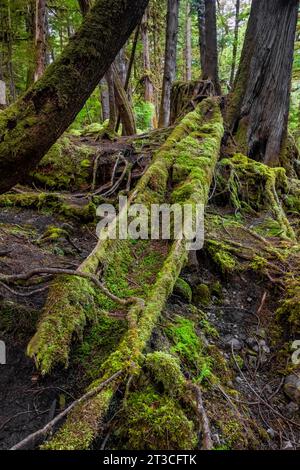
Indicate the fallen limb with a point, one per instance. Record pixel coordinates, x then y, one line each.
68 272
35 439
207 442
200 133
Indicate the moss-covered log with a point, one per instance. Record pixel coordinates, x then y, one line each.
191 152
33 124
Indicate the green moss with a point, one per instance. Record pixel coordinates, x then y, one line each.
183 289
100 340
290 306
221 256
66 166
256 186
156 422
165 370
201 295
54 203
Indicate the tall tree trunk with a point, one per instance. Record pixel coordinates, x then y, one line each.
149 89
170 61
236 41
9 41
104 97
40 38
84 6
112 101
188 42
30 30
123 104
32 126
210 66
258 108
200 5
2 85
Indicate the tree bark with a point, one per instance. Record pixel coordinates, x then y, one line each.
170 61
112 101
124 107
148 85
84 6
210 69
2 94
201 27
258 107
40 39
104 96
188 42
30 127
236 41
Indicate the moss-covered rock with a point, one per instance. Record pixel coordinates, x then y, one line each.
183 289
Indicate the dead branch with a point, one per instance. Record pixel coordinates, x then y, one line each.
207 442
13 278
31 441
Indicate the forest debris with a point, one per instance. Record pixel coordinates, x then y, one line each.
35 439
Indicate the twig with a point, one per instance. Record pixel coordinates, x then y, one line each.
207 442
26 276
31 441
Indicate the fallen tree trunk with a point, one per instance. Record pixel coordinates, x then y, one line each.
33 124
72 301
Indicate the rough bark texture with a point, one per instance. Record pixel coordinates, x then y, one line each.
257 112
84 6
188 42
210 64
112 101
30 127
2 94
40 39
170 61
148 85
201 27
124 107
236 40
104 97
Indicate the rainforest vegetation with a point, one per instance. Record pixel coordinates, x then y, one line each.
143 344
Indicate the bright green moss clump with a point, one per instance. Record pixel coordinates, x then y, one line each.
165 369
156 422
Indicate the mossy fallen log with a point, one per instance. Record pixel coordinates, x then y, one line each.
189 155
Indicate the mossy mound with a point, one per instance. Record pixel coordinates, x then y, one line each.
66 166
157 422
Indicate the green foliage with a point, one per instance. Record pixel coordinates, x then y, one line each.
144 112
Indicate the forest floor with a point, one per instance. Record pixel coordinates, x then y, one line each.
227 310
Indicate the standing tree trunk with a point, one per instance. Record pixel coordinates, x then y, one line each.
123 104
200 5
210 69
104 97
40 39
112 102
170 61
84 6
9 43
258 107
2 86
188 43
32 126
149 89
236 42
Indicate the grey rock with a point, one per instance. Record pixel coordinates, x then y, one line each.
287 445
292 387
271 433
234 343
